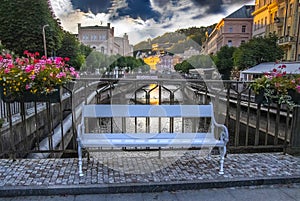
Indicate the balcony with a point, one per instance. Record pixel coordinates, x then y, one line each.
278 21
286 40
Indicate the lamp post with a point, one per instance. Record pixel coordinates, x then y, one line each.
44 39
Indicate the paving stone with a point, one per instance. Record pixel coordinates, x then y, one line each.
120 169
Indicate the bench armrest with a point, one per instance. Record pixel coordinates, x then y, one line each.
79 132
224 136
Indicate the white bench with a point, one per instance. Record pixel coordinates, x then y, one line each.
122 139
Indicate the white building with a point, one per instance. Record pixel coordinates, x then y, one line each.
102 39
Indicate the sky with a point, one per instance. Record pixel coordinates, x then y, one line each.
143 19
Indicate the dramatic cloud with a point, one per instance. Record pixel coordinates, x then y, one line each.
94 6
142 19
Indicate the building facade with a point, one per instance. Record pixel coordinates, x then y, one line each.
102 39
232 30
282 18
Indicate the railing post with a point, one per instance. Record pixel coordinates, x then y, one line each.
294 145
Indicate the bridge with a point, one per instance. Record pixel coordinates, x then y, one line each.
48 130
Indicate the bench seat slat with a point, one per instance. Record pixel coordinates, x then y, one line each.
158 140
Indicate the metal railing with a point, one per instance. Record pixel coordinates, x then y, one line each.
252 127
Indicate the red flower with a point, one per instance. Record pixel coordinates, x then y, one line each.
67 59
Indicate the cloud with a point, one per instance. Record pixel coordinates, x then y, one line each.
142 19
94 6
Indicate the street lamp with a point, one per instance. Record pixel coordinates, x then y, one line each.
44 39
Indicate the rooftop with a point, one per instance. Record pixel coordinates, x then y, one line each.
291 68
243 12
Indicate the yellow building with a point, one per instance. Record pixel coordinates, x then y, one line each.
152 61
280 17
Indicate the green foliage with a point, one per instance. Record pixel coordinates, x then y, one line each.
95 60
21 26
277 86
256 51
131 62
201 61
224 61
183 67
74 50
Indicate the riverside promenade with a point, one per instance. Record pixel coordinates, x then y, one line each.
106 174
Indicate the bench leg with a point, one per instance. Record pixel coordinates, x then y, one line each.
222 156
209 153
79 160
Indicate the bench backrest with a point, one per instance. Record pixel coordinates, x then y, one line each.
99 111
148 111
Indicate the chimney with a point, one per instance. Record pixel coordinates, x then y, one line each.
113 31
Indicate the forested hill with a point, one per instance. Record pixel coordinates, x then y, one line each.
178 41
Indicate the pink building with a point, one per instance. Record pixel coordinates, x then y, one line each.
233 30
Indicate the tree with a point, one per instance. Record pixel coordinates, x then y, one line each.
256 51
72 49
128 61
22 23
183 67
224 61
201 61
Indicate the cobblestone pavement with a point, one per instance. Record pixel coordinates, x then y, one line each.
108 170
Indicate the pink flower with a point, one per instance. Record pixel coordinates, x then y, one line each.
10 65
298 88
6 70
32 77
8 56
27 86
29 68
61 74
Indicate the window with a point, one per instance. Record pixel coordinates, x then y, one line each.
102 50
288 30
85 37
243 28
266 20
102 37
291 9
229 43
262 22
230 29
242 42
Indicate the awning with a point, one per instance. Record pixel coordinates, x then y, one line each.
291 68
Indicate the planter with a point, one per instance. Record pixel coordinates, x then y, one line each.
260 98
295 96
53 97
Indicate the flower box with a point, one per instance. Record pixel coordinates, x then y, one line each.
295 96
277 86
27 96
262 98
33 79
